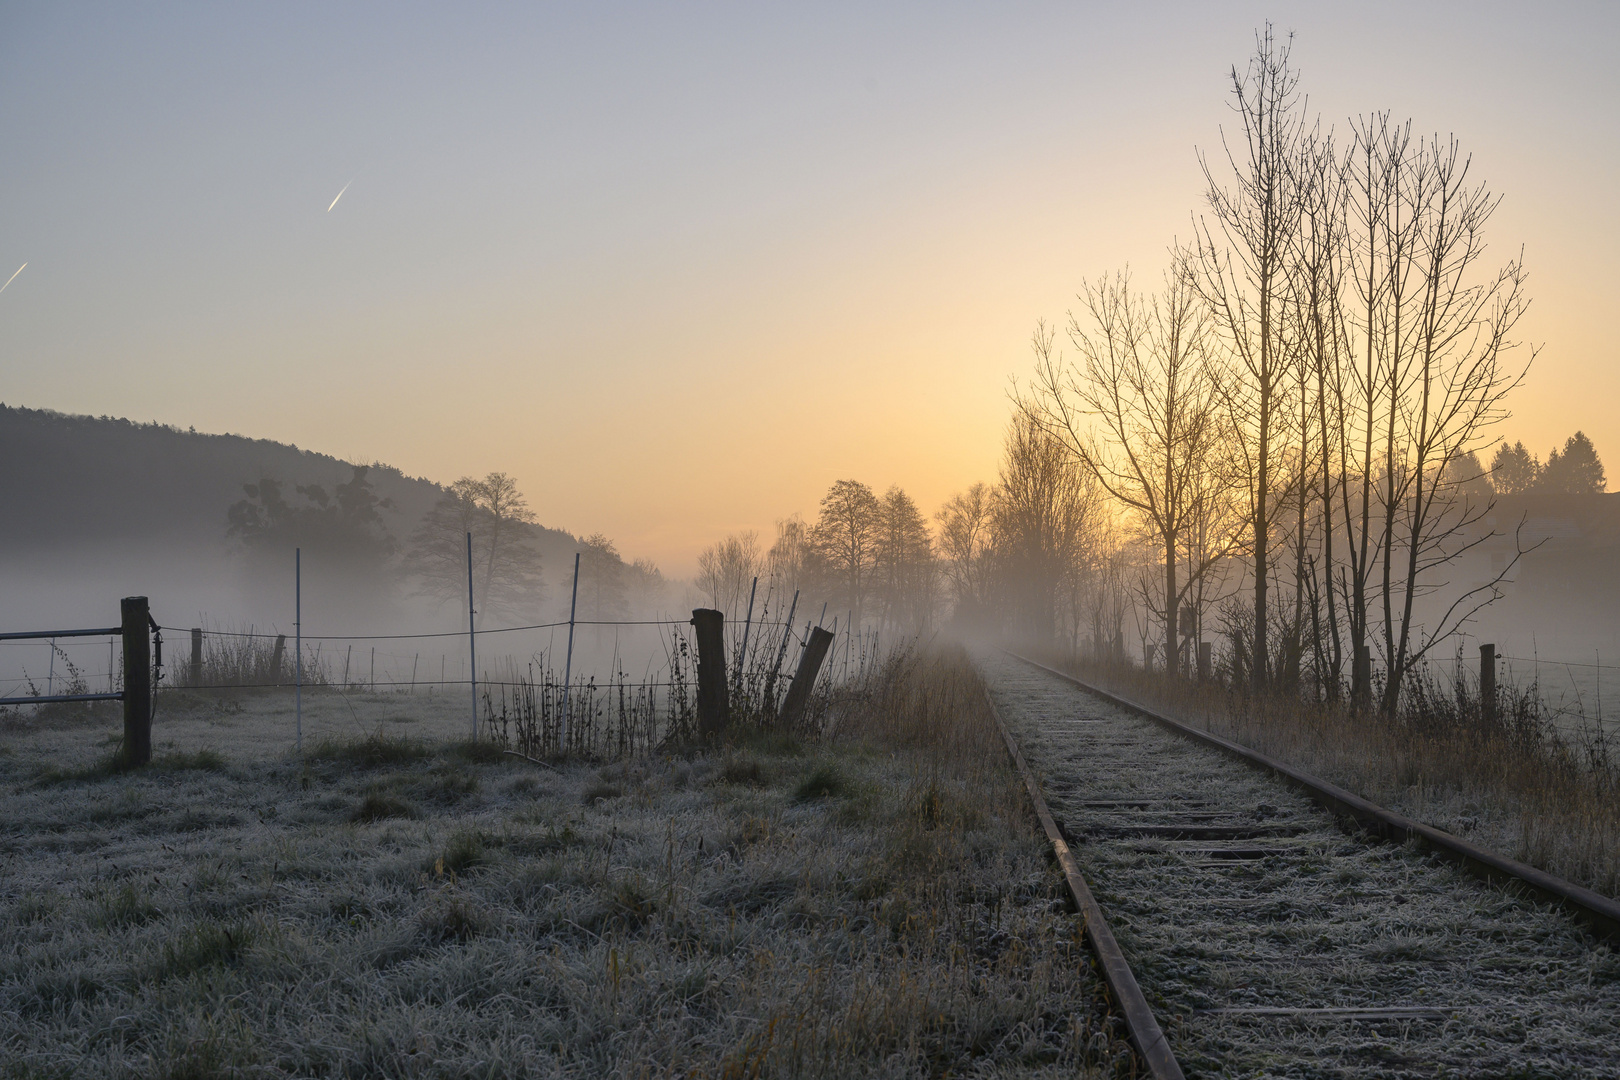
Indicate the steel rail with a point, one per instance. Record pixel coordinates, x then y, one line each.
42 634
1602 911
1133 1005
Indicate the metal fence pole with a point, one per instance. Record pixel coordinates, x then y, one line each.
781 653
298 641
472 642
748 621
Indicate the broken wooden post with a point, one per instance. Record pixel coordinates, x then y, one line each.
196 656
713 697
1206 661
798 695
1487 683
137 681
276 659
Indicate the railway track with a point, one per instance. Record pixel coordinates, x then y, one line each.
1267 940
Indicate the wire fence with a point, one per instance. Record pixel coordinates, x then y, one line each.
269 635
65 666
523 701
1574 689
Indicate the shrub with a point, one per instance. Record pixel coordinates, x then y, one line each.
205 945
374 751
380 805
823 782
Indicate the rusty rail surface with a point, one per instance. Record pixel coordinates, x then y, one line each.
1133 1006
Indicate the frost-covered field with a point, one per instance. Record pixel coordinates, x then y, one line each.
1247 955
394 904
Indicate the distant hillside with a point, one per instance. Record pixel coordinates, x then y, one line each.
74 479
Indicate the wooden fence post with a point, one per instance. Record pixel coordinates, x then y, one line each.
1206 661
1487 683
276 659
798 695
137 681
713 697
196 656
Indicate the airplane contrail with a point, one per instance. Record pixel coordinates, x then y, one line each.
13 277
339 196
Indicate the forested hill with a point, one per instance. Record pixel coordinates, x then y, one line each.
78 479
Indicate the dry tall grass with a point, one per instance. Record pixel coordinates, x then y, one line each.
386 906
1523 785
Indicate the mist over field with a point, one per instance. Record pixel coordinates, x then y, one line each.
874 540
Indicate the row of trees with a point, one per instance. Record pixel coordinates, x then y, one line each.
1293 402
347 527
1575 471
1293 415
1282 437
867 554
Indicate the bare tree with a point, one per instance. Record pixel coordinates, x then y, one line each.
1240 265
601 580
726 570
846 540
1138 411
1109 594
903 562
1317 282
792 555
647 586
964 546
506 562
1042 505
1448 333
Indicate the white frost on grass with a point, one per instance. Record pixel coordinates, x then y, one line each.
1329 920
398 905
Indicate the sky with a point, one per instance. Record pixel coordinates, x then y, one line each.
677 268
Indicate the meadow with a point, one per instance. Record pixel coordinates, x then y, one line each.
399 900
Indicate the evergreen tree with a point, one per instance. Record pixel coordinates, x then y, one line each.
1576 471
1514 470
345 525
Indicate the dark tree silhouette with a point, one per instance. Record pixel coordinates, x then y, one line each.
1514 470
846 539
966 552
726 570
506 563
1575 471
1240 264
345 525
903 562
